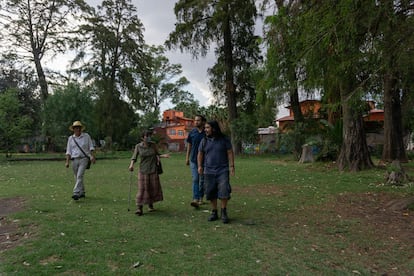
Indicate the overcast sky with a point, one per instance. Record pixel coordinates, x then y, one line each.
158 18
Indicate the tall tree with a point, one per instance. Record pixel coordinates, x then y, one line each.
283 62
335 34
394 39
159 82
36 28
229 25
109 56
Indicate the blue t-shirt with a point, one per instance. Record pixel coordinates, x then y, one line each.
194 138
216 160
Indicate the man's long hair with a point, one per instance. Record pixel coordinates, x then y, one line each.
215 127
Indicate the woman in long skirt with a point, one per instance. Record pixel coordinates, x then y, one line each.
149 186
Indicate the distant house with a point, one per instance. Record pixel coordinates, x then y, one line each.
268 137
374 119
309 109
174 129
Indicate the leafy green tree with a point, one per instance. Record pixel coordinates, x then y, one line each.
246 128
190 109
36 28
266 100
111 50
14 126
68 104
23 80
340 32
123 122
159 82
284 63
393 38
229 25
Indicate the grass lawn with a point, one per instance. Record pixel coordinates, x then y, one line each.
286 219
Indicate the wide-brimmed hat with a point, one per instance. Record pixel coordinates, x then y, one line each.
77 124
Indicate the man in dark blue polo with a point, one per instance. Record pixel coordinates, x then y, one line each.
216 161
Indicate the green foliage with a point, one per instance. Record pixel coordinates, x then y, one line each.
159 82
331 141
22 79
266 100
190 109
293 139
68 104
14 126
123 120
245 128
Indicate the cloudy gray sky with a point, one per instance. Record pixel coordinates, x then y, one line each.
158 18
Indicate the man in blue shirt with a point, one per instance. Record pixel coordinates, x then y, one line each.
193 141
215 161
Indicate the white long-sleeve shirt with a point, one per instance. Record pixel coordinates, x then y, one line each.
84 141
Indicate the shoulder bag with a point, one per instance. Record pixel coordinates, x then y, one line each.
89 160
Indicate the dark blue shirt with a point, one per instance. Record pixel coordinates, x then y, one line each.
194 138
216 160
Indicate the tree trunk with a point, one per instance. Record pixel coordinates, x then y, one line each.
229 79
307 155
354 154
393 131
297 115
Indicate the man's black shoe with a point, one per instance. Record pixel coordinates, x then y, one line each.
213 216
224 217
75 197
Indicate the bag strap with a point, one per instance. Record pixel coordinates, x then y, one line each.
203 143
74 140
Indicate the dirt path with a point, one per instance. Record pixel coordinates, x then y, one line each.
10 235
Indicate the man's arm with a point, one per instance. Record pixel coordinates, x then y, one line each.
187 156
200 157
230 156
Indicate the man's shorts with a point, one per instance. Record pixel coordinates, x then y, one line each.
217 186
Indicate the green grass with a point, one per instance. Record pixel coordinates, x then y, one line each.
279 223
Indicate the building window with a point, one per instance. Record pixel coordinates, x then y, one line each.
172 132
180 133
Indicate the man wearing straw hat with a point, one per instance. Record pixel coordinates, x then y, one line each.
79 149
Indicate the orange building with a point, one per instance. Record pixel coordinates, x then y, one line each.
174 129
311 109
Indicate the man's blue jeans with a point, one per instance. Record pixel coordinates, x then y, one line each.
198 182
